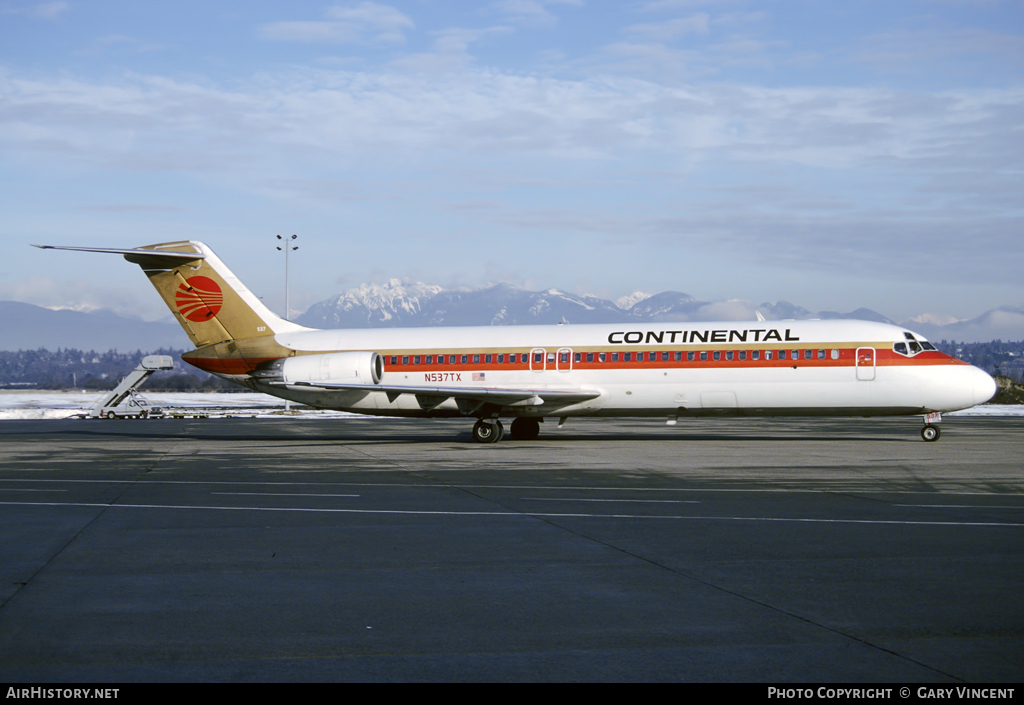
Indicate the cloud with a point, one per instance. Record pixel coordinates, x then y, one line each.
669 30
38 11
367 21
530 12
874 182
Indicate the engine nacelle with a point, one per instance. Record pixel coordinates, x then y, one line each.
339 368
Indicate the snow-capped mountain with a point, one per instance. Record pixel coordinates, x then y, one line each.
398 303
1003 323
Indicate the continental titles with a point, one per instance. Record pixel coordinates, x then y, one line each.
663 337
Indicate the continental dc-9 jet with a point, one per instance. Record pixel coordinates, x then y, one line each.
528 373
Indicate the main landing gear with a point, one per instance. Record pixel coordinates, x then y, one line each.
491 430
488 431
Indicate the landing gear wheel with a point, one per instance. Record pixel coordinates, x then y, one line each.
930 433
524 429
488 431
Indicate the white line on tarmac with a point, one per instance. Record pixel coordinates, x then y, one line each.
514 514
580 499
438 485
284 494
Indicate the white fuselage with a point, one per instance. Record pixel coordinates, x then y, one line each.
707 368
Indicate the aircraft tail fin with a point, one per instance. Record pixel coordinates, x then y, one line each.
207 299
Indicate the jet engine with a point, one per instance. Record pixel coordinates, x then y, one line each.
337 368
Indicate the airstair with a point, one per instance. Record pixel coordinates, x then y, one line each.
123 402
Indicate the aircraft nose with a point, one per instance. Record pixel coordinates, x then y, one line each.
985 386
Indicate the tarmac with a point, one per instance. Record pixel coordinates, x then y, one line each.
769 550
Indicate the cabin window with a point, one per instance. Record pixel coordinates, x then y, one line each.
465 359
590 357
689 356
501 358
796 354
601 357
576 357
639 357
615 357
703 355
728 355
416 360
563 357
488 358
835 354
743 354
716 355
821 354
679 355
405 359
440 359
627 357
808 354
782 354
511 358
755 355
538 357
394 360
429 360
476 359
664 356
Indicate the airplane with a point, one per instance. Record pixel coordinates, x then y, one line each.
526 373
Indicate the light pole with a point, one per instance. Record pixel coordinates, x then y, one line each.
286 245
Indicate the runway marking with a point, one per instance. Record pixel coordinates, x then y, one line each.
963 506
283 494
29 489
752 490
581 499
423 512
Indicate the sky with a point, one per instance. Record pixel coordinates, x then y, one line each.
836 155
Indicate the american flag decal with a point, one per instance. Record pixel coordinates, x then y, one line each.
478 376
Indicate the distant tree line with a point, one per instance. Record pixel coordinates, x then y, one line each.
68 369
1005 359
74 369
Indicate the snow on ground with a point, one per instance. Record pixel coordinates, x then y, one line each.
62 405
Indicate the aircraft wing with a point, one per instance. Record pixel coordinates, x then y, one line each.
469 399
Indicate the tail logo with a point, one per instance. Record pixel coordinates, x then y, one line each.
199 299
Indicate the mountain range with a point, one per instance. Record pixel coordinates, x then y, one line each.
396 303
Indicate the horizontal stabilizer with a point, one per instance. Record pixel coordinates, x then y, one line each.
146 258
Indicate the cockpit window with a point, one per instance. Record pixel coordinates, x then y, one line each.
912 347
